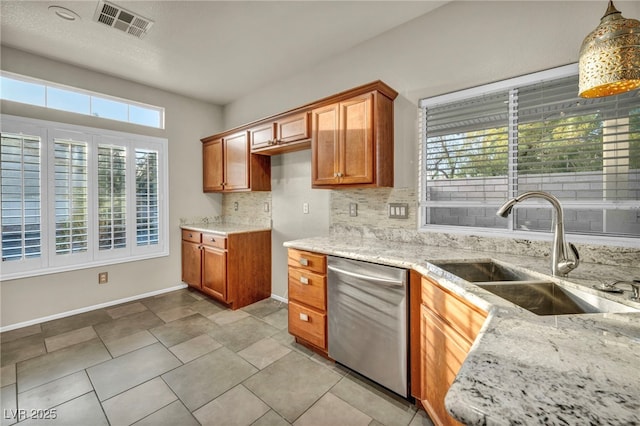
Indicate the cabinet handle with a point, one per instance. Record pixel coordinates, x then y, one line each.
213 240
304 317
303 261
304 280
190 235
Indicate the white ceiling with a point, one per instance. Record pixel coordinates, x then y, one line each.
217 51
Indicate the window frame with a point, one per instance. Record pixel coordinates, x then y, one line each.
92 96
509 232
49 262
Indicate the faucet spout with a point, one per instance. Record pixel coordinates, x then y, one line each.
564 256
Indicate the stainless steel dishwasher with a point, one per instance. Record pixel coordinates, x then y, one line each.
368 316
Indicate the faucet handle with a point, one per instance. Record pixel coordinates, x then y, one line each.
575 253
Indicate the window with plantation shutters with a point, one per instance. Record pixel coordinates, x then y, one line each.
20 197
532 134
77 197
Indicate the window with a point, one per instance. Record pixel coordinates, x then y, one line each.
32 91
74 197
485 145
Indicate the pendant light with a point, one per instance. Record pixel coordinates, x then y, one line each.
610 56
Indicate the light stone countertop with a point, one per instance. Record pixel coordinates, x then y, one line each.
524 368
223 229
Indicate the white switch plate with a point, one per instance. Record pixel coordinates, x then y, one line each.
353 209
398 211
305 208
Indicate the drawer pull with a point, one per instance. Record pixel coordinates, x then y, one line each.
213 240
304 280
303 261
190 235
304 317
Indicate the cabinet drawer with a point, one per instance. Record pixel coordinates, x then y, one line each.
308 325
192 236
308 288
306 260
463 317
214 240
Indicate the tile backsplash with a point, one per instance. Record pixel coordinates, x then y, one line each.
372 221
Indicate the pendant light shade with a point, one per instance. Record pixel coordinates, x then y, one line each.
610 56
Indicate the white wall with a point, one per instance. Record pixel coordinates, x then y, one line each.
187 121
459 45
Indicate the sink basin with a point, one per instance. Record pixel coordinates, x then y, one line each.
483 271
548 298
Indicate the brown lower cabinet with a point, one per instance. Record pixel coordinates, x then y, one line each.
448 327
235 270
308 299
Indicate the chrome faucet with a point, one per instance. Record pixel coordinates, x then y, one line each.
561 261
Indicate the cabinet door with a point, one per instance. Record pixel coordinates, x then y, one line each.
293 128
214 273
212 166
262 136
191 263
325 145
236 162
356 165
443 351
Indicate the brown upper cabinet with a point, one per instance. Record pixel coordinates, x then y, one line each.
343 151
286 134
350 135
228 166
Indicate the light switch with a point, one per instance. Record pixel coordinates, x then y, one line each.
305 208
398 210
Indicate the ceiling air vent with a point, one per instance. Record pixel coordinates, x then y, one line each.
124 20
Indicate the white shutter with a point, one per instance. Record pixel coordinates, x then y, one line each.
147 198
71 197
20 194
112 209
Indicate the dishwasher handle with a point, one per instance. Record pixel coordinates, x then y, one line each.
385 281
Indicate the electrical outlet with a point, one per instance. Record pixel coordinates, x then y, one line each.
305 208
353 209
266 207
235 206
103 277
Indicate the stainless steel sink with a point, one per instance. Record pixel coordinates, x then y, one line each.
548 298
483 271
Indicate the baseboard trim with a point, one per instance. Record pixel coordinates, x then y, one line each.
88 308
279 298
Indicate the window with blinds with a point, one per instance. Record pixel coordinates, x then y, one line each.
20 197
77 197
482 150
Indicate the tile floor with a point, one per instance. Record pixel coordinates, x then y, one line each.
182 359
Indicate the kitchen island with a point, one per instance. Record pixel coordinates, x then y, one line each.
524 368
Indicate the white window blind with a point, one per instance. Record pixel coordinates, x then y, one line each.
20 196
480 151
147 224
71 193
77 197
112 192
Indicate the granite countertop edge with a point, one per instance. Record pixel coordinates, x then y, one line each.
224 229
524 368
